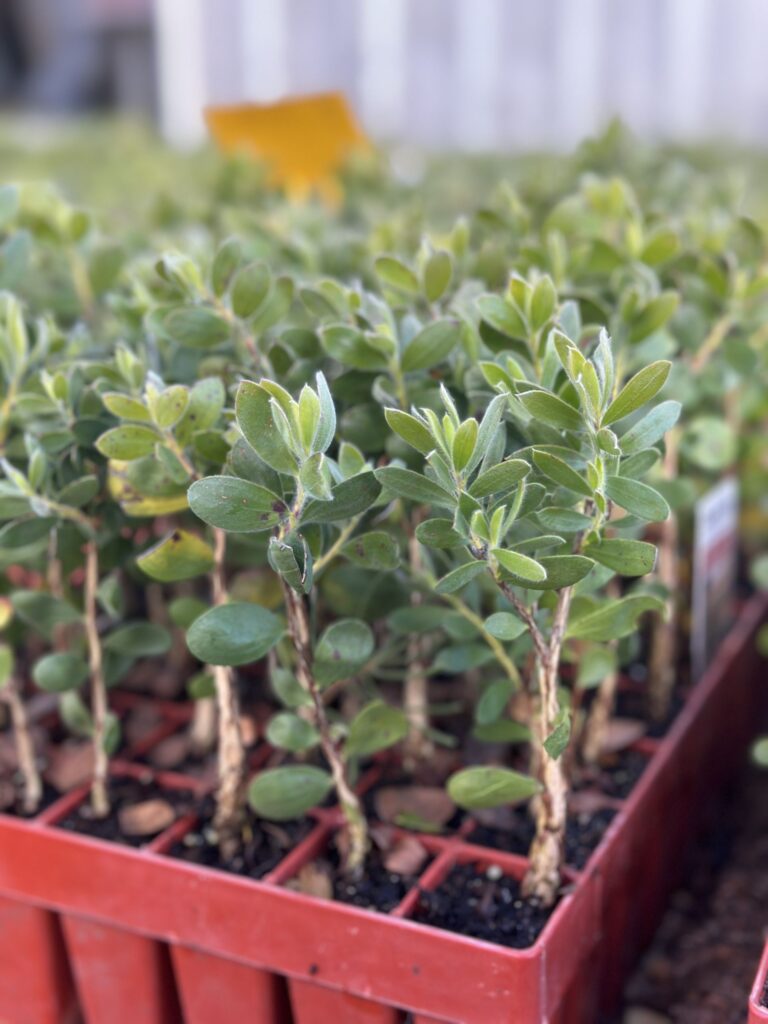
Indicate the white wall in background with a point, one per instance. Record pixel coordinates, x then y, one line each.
476 74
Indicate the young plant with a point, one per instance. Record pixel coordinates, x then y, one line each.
166 433
61 491
297 493
568 482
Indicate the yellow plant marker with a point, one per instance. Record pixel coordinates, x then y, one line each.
304 141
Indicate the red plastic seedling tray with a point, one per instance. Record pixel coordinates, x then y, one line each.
758 1013
240 946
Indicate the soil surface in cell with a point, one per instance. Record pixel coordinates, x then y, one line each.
484 904
616 775
265 843
634 704
139 811
12 798
701 965
392 867
582 836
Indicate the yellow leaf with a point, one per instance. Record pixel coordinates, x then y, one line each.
135 504
303 140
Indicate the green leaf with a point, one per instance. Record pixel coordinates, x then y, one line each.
493 701
292 559
6 664
202 685
350 498
396 274
504 626
627 557
196 327
377 727
126 408
594 665
25 532
458 578
637 498
206 400
42 612
614 620
431 345
350 347
638 391
459 658
543 302
75 714
464 442
375 550
315 478
234 634
653 316
281 794
138 640
557 742
550 409
326 427
239 506
437 275
179 556
562 571
563 519
503 316
522 566
559 471
504 730
406 484
344 647
249 289
481 787
650 428
79 492
438 533
288 689
169 406
184 610
226 261
502 477
59 672
255 419
127 442
758 572
412 430
759 752
290 732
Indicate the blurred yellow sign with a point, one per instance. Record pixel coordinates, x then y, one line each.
303 140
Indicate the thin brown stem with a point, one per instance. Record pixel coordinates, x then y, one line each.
542 880
32 791
357 826
99 786
662 655
228 819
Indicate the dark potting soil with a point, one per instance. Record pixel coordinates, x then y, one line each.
582 835
634 704
701 964
16 798
265 844
378 889
124 793
616 775
483 904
